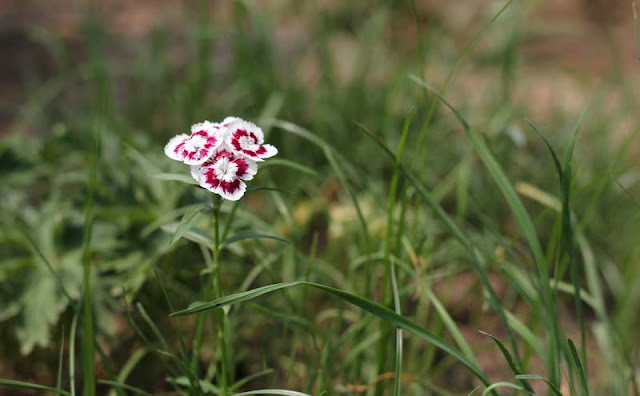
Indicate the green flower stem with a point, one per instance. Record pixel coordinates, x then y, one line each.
217 289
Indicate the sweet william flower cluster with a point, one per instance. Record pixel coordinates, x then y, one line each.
222 155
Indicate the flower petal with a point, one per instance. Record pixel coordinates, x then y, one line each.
267 151
208 179
232 190
173 149
195 172
200 146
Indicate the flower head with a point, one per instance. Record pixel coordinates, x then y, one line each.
224 174
196 148
222 155
246 139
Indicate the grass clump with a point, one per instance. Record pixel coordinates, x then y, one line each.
445 240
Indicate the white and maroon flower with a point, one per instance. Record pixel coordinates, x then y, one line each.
224 174
247 139
195 149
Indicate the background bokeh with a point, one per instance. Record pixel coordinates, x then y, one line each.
136 73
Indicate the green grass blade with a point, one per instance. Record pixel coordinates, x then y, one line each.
179 177
193 234
569 240
581 374
60 358
289 164
520 213
553 388
503 384
28 385
388 241
241 236
512 365
389 281
122 386
466 243
24 230
368 305
283 392
636 29
88 336
250 378
332 157
72 354
188 220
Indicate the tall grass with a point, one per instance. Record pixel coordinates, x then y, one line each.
427 251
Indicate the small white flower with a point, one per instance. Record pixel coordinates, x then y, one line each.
195 149
224 174
247 139
222 155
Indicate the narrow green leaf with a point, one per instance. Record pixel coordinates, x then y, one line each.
512 365
497 385
251 235
189 219
179 177
72 354
556 161
283 392
250 378
537 377
60 361
453 228
88 336
578 364
368 305
193 234
289 164
520 213
120 385
28 385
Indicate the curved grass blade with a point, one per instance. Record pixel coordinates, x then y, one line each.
289 164
193 234
368 305
28 385
122 386
188 219
283 392
512 365
88 336
553 388
250 378
466 243
330 153
520 213
528 231
251 235
578 364
60 360
179 177
493 387
635 28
